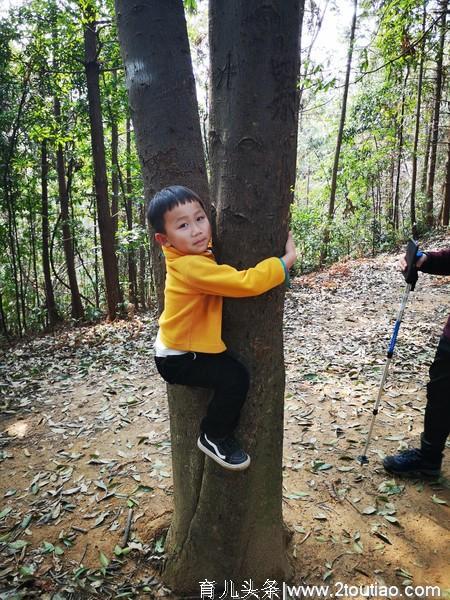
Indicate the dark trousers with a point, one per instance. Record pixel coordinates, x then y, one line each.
437 411
220 372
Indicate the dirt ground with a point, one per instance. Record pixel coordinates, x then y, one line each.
85 447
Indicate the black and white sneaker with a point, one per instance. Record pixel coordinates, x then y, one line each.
225 451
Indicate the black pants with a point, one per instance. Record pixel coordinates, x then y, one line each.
437 411
221 372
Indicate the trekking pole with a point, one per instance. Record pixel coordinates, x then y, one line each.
410 275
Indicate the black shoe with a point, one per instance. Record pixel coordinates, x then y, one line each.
412 462
225 451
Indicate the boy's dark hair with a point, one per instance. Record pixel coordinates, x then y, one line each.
165 200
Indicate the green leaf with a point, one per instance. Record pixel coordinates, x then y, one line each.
26 521
296 495
48 547
27 570
437 500
391 519
369 510
5 512
104 560
159 546
390 487
18 545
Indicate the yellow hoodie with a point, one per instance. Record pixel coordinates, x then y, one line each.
195 286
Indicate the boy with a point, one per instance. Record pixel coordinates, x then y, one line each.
189 349
427 460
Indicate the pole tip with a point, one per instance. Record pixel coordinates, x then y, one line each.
362 459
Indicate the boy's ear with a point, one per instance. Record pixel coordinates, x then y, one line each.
162 240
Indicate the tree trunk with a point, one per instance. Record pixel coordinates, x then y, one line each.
131 254
206 538
142 264
436 115
396 202
254 58
77 311
114 174
337 153
446 202
417 130
105 223
426 158
3 323
161 91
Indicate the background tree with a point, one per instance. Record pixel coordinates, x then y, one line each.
105 220
337 153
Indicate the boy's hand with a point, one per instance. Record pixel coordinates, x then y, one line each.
403 265
290 250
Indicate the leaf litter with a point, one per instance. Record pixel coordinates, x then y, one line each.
85 446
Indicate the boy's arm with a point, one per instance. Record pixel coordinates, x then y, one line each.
206 276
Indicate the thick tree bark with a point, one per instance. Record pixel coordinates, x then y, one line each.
337 152
417 129
161 91
77 311
105 222
254 146
436 117
254 59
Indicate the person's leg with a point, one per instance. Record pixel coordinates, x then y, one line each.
230 381
437 411
428 458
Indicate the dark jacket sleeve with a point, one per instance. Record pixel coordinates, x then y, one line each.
437 263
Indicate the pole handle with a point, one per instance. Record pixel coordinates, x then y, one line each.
410 273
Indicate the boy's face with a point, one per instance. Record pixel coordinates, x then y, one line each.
187 229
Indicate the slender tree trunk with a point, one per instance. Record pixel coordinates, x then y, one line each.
446 201
77 311
105 223
426 158
12 249
436 116
131 254
417 129
35 284
337 153
396 216
96 269
3 323
390 193
114 174
142 284
52 311
16 243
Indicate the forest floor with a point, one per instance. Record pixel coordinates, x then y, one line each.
85 447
